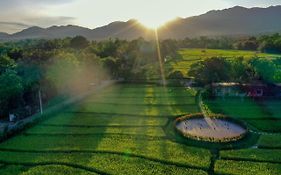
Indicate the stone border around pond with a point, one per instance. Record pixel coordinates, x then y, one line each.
213 140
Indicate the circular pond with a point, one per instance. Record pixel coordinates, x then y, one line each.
211 129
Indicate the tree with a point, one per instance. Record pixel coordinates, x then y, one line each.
6 63
267 70
110 64
10 88
79 42
250 43
30 74
176 75
63 71
270 43
240 70
210 70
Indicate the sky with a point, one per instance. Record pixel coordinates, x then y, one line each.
16 15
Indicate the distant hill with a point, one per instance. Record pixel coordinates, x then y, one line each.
124 30
4 35
233 21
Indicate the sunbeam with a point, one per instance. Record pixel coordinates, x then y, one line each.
162 71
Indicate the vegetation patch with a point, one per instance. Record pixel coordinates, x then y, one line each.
270 141
12 169
253 154
246 168
257 116
56 170
103 162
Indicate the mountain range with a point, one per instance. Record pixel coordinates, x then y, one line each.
233 21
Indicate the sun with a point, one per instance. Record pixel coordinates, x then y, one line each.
153 23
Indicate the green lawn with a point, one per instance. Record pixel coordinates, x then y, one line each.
246 168
190 56
253 154
274 107
118 131
264 158
270 141
256 114
128 129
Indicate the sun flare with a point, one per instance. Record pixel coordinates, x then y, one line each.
153 23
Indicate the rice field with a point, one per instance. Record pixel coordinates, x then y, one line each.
263 119
118 131
128 129
191 56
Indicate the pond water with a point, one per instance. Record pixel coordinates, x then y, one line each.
206 128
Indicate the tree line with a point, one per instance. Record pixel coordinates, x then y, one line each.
70 65
239 70
264 43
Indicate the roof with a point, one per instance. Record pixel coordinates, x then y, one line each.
229 84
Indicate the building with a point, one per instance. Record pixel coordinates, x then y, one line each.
255 89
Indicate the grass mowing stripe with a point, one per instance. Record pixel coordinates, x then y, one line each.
103 126
268 141
135 96
147 111
105 152
250 160
174 152
143 104
229 167
149 116
85 168
54 170
138 131
75 119
141 137
13 169
265 155
124 115
110 163
269 148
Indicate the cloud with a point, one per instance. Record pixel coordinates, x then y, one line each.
16 15
20 3
46 21
17 24
42 21
12 27
254 3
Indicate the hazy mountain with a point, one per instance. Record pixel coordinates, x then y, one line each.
4 35
124 30
68 31
52 32
32 32
234 21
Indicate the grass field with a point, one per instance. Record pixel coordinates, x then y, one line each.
261 115
128 129
118 131
190 56
263 118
